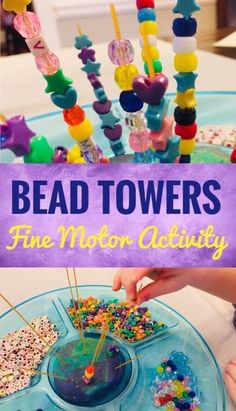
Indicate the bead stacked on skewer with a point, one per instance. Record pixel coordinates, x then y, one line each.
185 62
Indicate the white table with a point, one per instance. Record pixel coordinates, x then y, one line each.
22 86
210 315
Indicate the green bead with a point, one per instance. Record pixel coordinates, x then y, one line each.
40 151
185 394
57 83
157 67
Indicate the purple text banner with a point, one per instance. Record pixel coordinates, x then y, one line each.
118 215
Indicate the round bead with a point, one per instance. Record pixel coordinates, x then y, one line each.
100 94
186 147
149 27
184 45
74 115
153 51
139 141
185 63
125 75
48 64
233 156
185 117
27 24
121 52
142 4
82 131
185 28
186 132
130 102
146 14
152 41
157 65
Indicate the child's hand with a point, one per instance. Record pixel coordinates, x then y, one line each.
165 280
230 379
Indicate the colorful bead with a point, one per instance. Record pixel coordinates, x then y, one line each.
87 54
81 131
185 28
152 41
18 6
185 63
150 91
114 134
187 146
153 52
142 4
171 153
92 67
162 136
40 151
148 27
57 83
100 94
48 64
156 113
94 155
130 102
74 156
185 81
117 146
186 132
186 100
186 8
184 45
16 136
146 14
67 100
102 108
109 120
37 46
233 156
82 41
139 141
74 115
121 52
60 156
27 24
125 75
94 80
185 159
157 65
185 117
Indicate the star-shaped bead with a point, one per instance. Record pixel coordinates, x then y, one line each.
16 136
82 41
186 8
57 83
40 151
160 138
109 120
185 81
92 67
18 6
86 54
171 153
186 99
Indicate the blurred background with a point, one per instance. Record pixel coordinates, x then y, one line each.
59 18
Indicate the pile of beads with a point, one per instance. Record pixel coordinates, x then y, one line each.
152 88
129 323
185 62
21 352
63 94
103 107
174 386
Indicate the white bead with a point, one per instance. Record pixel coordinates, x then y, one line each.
184 45
37 46
151 39
86 145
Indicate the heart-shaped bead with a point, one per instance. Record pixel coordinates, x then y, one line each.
113 134
102 108
150 91
65 101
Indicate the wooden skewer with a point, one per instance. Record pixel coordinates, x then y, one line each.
115 22
130 310
79 30
80 316
71 289
33 329
48 374
3 118
128 362
148 55
99 345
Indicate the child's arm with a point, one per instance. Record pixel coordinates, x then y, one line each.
217 281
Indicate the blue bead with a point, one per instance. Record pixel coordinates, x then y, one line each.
117 148
130 102
100 94
154 115
180 378
146 14
67 100
192 394
184 28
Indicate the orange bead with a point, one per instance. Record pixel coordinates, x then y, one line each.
74 116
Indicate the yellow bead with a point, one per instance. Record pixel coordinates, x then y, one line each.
125 75
160 370
185 63
148 27
74 156
186 147
186 99
82 131
153 51
18 6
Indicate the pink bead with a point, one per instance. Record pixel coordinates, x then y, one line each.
121 52
48 64
139 141
27 24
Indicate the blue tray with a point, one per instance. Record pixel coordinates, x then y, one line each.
213 108
136 396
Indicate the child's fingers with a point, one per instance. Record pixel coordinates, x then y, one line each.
230 369
231 386
159 287
117 281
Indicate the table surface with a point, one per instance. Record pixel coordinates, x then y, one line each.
22 86
210 315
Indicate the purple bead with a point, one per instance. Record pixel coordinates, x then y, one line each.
150 91
102 108
113 134
94 81
87 54
17 137
27 24
60 155
121 52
